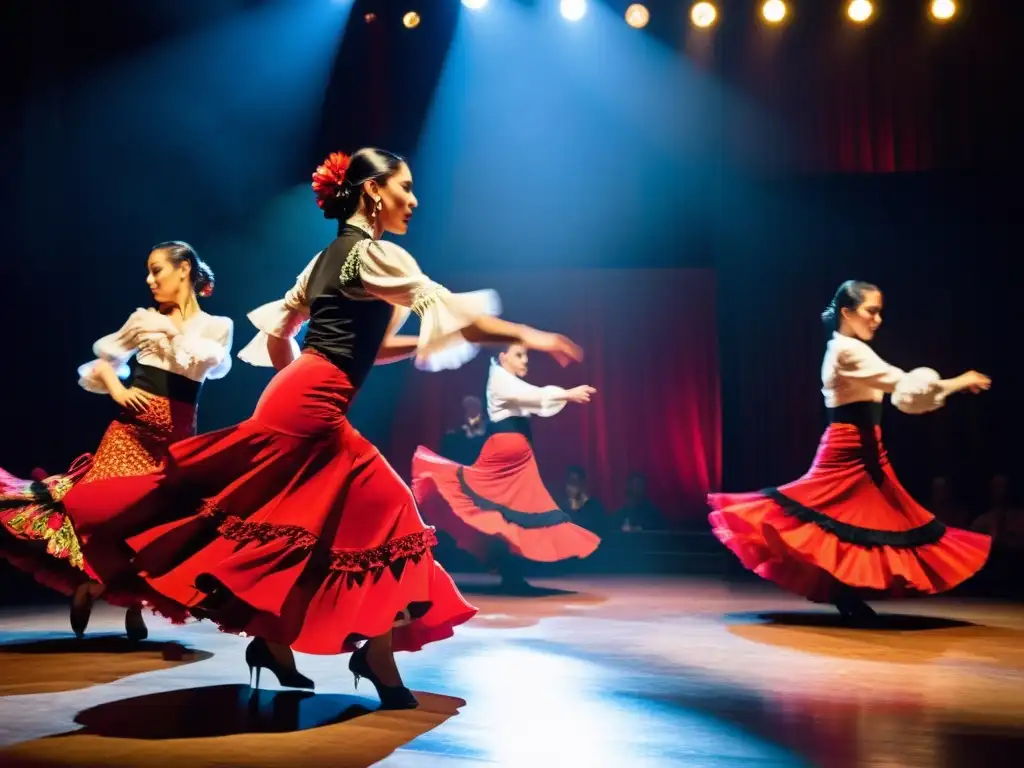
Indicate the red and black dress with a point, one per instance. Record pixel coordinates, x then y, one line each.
171 364
848 526
291 526
501 495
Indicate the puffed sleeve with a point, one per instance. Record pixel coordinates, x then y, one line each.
116 349
919 391
281 319
506 391
859 361
389 272
210 350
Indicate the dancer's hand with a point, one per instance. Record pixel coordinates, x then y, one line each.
132 398
974 382
580 394
563 349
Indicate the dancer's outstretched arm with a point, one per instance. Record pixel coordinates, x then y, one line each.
447 320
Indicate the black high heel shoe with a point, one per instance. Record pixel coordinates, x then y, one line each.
854 610
135 625
81 609
391 696
258 656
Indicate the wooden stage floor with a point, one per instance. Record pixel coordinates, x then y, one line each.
624 673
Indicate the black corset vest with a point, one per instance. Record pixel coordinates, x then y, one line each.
519 425
347 331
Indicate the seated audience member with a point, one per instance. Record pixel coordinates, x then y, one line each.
463 444
638 513
585 510
942 504
1002 520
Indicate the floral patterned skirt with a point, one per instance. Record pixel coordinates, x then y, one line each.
36 534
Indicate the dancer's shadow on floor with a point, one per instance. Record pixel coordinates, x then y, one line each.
219 710
518 590
232 725
900 638
44 663
883 622
48 643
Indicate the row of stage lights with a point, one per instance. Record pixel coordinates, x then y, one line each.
705 14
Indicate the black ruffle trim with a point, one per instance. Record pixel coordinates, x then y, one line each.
547 519
929 533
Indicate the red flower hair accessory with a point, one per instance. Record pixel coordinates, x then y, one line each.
206 290
329 176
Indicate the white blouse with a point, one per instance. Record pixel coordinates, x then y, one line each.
508 395
852 372
386 271
200 350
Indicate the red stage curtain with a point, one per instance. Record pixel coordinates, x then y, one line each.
651 352
899 95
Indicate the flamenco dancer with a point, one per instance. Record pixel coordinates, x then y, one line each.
847 530
498 508
291 527
176 347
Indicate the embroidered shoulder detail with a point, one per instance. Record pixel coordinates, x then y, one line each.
350 269
425 295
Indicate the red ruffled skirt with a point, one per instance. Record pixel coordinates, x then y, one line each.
289 526
36 535
847 522
501 494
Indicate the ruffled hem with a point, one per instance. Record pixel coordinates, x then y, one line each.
805 558
443 491
263 553
339 599
33 558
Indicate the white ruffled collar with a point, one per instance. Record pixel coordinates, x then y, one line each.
360 222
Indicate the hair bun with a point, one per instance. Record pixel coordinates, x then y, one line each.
203 279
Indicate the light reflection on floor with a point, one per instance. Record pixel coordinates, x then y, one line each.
541 709
616 673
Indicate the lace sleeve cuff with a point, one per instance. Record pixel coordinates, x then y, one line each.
274 319
443 317
91 382
919 392
552 401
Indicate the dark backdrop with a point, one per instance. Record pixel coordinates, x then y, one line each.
893 158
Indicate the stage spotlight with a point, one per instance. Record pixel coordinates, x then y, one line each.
474 5
703 14
942 10
860 11
773 11
637 16
573 10
411 20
